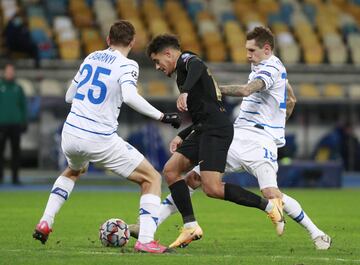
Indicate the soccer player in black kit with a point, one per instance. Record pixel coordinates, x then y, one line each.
205 142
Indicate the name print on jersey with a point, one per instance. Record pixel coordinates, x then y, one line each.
103 57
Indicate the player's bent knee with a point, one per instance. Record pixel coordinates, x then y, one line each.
149 182
152 177
267 178
170 173
193 180
71 173
212 191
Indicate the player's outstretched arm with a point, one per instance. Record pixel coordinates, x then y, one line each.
70 93
243 90
135 101
290 101
141 105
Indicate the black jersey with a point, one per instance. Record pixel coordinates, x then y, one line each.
204 97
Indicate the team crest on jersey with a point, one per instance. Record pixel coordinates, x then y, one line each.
134 74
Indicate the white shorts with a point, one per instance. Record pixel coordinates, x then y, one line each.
114 154
255 152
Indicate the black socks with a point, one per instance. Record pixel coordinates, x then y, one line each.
180 194
236 194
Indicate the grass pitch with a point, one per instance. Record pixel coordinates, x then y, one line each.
232 234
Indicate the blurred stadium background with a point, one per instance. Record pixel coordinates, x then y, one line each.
318 41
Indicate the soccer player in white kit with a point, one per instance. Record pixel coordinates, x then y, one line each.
259 130
105 80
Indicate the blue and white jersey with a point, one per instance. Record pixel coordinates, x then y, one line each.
266 108
98 99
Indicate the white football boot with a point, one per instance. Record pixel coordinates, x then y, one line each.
322 242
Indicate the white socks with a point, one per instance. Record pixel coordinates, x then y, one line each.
59 194
148 216
168 206
190 224
293 209
269 207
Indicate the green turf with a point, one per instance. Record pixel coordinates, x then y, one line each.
233 234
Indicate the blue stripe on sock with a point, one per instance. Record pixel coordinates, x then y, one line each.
166 201
156 220
299 217
143 211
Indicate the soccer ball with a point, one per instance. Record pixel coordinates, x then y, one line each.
114 233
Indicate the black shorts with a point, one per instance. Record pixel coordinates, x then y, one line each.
208 148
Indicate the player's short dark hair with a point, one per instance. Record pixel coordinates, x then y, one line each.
262 36
161 42
121 33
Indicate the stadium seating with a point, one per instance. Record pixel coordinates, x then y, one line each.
308 91
66 37
69 50
334 91
27 86
56 7
105 15
157 88
354 44
235 37
128 9
40 31
8 9
51 88
180 21
354 91
91 40
308 31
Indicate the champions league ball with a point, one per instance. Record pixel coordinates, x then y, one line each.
114 233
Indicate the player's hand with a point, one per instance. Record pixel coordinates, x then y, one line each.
173 118
174 144
181 102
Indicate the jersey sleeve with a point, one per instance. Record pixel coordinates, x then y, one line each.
267 73
77 78
195 68
130 96
71 91
130 74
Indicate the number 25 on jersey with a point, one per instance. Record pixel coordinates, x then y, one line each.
94 82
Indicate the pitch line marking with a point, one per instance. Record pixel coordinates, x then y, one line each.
181 254
318 259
